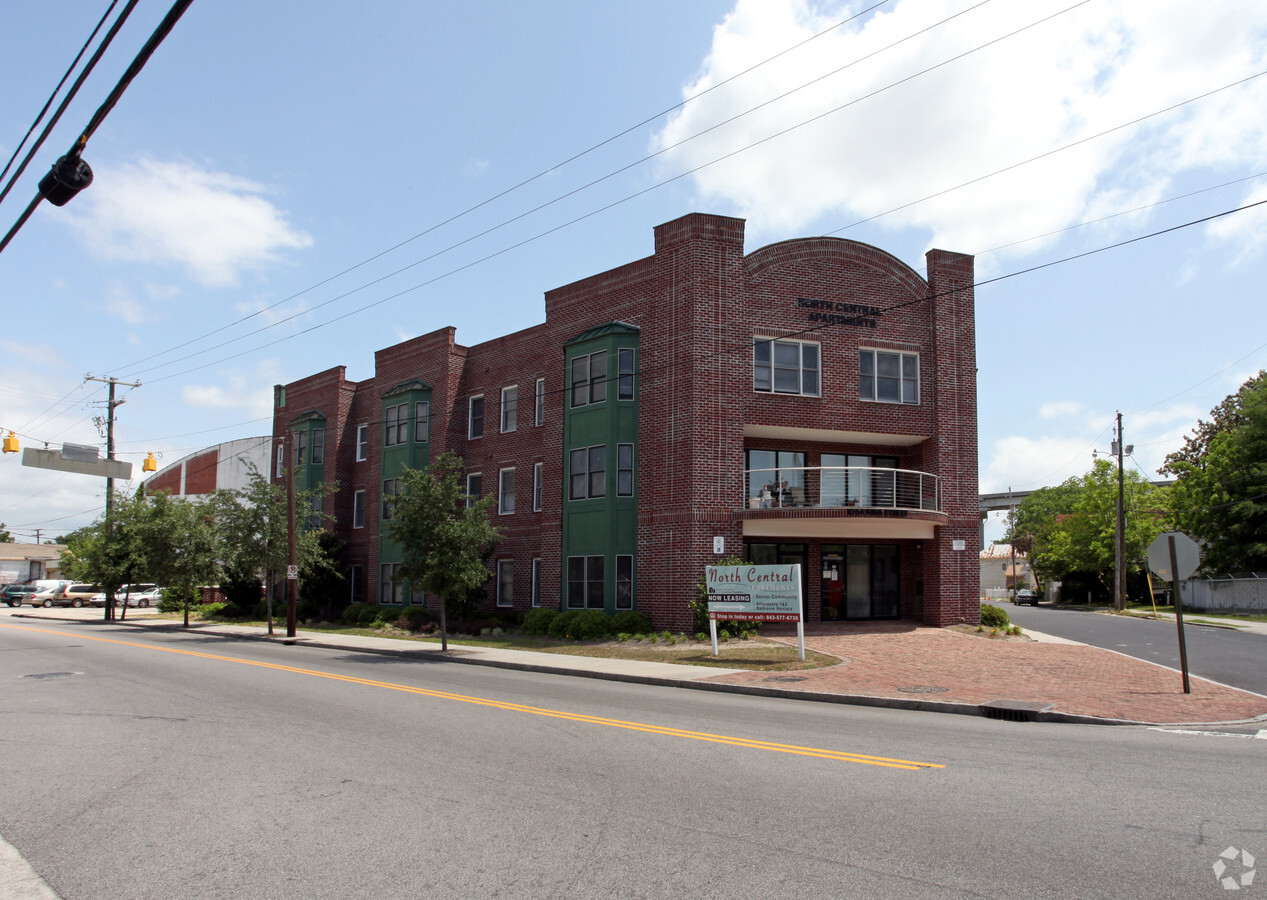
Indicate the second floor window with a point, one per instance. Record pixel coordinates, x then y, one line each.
506 492
389 497
301 447
624 470
362 442
358 509
474 488
318 446
538 475
625 374
541 402
396 428
588 473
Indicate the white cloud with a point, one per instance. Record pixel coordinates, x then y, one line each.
1060 409
212 224
249 391
1083 72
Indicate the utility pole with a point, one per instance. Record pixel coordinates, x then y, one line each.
1119 545
292 584
110 405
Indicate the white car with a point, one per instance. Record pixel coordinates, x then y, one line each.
142 595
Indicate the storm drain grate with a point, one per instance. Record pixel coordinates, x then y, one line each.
1012 710
922 689
786 678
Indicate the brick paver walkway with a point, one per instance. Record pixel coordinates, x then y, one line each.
880 659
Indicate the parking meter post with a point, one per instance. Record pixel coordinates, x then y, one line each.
1183 647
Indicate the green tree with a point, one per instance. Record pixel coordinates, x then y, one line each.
1220 491
444 543
5 537
179 544
110 558
252 528
1071 529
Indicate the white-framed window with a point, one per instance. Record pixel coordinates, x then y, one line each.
540 416
422 421
396 425
474 488
362 442
358 509
625 373
389 497
538 477
318 446
280 467
624 470
506 491
786 367
505 582
475 417
624 581
586 581
588 379
888 377
510 408
536 581
588 473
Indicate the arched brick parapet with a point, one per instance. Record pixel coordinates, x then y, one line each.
840 251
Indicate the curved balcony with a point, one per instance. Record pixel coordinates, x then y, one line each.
842 487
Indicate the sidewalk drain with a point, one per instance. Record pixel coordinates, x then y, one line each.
1012 710
786 678
922 689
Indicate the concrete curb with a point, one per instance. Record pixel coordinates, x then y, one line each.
1036 713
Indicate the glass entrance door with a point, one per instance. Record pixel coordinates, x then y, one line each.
870 582
833 584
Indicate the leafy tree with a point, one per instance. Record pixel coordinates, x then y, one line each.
252 525
321 582
5 537
111 558
1070 530
1220 492
444 543
179 543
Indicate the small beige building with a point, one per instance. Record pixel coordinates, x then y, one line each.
1001 572
29 562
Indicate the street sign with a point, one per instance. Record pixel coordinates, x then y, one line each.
1187 556
77 463
292 573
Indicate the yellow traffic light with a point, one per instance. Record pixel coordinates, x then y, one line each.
11 444
150 464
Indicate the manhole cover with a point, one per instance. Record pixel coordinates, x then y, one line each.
786 678
923 689
52 675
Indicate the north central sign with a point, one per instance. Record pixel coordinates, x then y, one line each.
755 594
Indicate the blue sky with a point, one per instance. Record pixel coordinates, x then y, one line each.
290 186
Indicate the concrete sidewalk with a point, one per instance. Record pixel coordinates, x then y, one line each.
889 664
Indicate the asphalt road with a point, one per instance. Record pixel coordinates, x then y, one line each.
1220 654
143 765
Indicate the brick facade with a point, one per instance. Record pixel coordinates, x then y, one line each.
694 309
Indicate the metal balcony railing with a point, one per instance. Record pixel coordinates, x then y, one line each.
837 487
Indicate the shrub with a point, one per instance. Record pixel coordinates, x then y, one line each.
212 610
352 614
561 625
368 616
590 625
631 621
386 615
172 601
538 621
993 616
413 618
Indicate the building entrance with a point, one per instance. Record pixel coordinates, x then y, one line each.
860 581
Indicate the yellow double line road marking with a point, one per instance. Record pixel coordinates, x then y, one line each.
533 710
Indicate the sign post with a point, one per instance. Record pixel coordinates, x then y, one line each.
755 594
1175 556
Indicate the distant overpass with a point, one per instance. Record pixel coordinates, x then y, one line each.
1007 499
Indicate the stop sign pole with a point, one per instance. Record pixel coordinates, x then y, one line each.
1164 550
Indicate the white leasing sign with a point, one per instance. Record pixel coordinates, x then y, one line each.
755 594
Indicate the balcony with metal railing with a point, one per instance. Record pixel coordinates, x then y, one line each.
871 488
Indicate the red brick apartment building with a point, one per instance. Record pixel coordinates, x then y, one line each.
812 402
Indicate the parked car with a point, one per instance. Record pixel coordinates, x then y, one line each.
75 595
47 593
17 594
1025 595
142 595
